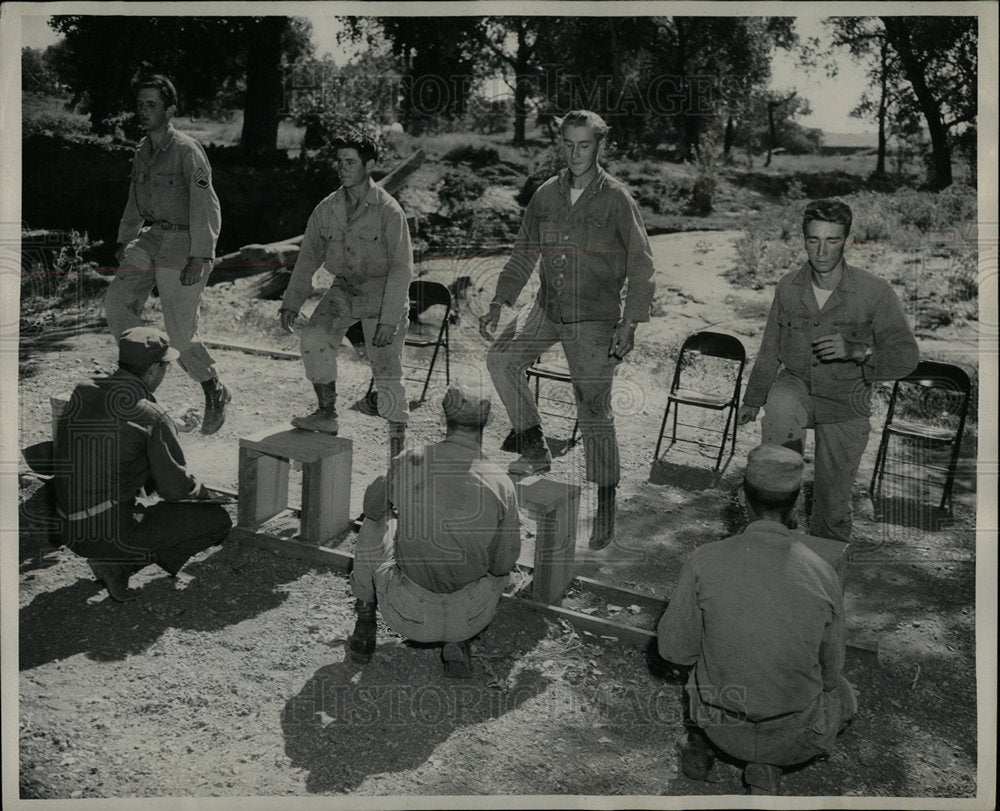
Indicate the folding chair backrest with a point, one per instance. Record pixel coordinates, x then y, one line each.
716 345
425 293
951 380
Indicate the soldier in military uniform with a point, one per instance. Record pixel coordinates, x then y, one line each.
359 234
167 238
114 441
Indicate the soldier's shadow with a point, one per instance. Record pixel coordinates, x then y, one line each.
67 621
350 721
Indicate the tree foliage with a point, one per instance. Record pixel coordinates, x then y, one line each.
918 67
207 58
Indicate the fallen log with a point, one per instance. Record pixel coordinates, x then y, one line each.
273 260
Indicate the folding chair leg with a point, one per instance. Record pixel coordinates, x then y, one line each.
875 488
725 435
430 371
663 427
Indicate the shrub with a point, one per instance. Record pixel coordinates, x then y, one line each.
476 156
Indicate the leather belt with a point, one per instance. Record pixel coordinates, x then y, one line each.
90 512
169 226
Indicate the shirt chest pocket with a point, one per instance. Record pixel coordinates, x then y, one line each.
854 332
369 244
167 181
597 229
794 341
551 224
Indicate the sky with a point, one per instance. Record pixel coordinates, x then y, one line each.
830 99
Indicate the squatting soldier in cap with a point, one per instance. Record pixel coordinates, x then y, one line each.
586 229
114 440
359 234
439 571
167 238
760 618
833 331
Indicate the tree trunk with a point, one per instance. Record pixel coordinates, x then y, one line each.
771 105
898 35
264 91
883 103
522 85
728 139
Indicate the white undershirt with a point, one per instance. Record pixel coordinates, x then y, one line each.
574 195
821 295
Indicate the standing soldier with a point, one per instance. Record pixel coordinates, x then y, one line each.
167 237
359 234
587 230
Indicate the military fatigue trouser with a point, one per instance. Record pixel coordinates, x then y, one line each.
158 257
592 371
322 335
409 609
783 741
166 533
788 412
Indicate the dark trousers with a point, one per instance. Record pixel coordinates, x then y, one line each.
166 534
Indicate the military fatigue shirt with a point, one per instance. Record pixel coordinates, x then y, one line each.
761 617
113 440
862 308
458 516
368 254
590 251
172 184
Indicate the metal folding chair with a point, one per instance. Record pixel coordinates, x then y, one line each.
547 371
423 295
934 401
687 392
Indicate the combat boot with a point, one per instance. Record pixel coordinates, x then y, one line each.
115 577
361 642
457 659
603 532
513 442
697 754
397 438
324 418
535 456
217 397
762 778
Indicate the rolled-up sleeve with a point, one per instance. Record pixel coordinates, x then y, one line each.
638 261
395 300
166 462
312 252
518 269
506 545
678 633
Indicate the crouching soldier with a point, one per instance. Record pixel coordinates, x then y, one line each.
760 618
114 441
438 571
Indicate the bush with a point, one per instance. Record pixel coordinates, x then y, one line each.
476 156
60 267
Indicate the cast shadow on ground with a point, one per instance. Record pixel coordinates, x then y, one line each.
62 623
913 514
688 477
351 721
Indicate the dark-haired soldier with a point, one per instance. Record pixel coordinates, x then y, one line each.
114 440
833 331
359 234
167 238
760 618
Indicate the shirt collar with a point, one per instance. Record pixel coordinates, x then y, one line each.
598 181
133 380
767 525
464 441
846 283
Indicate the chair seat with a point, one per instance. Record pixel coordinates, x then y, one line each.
919 431
549 374
421 342
700 398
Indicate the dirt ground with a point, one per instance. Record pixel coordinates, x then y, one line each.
233 680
